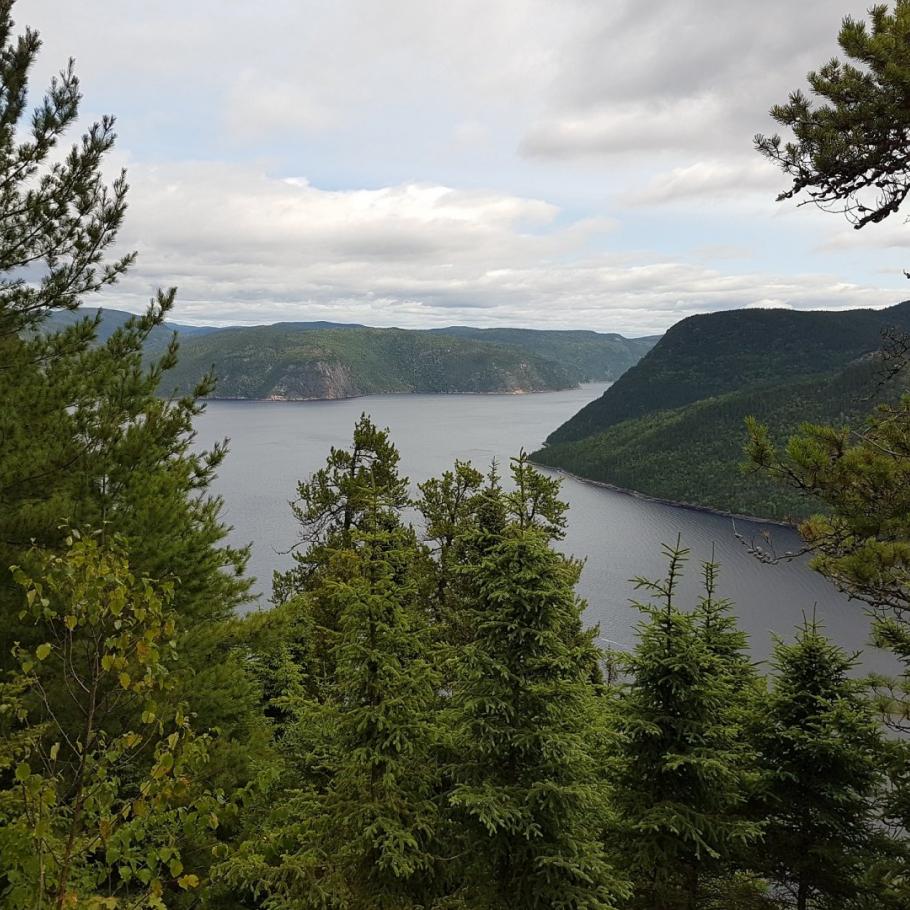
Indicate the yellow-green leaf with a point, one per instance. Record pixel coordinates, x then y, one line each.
42 651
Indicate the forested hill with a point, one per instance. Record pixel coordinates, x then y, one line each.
111 320
293 361
327 360
594 355
673 426
717 353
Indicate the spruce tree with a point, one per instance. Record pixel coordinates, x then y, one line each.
821 759
358 803
525 789
680 786
359 491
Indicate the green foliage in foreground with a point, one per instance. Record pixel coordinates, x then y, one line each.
421 721
94 814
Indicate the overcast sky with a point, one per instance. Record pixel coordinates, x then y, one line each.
544 163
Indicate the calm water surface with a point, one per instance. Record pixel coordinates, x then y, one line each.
274 444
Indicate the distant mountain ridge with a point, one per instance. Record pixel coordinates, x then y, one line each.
288 361
111 320
672 426
326 360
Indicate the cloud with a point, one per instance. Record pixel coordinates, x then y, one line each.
708 181
680 75
524 162
258 103
247 247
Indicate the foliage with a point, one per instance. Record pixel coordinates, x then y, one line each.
849 153
821 760
81 822
681 763
359 806
87 442
524 703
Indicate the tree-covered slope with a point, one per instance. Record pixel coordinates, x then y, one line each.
694 454
717 353
295 361
282 362
594 355
111 320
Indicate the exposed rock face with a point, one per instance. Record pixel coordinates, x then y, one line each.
314 380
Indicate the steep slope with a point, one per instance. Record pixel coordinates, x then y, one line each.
296 361
672 427
717 353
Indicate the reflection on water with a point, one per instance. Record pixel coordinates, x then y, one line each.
274 444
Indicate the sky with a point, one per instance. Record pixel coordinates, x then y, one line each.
541 163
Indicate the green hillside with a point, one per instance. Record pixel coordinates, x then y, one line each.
593 355
294 361
717 353
111 320
673 426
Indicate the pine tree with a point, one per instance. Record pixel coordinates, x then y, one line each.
850 151
525 789
821 758
681 787
87 440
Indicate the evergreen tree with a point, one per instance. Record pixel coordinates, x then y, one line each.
342 498
681 763
86 440
821 759
524 781
357 492
850 152
359 801
449 506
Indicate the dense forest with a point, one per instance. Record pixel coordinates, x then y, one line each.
422 720
290 362
326 360
672 426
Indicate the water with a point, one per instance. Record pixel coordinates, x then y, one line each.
274 444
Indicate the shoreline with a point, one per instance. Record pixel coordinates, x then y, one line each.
645 497
503 392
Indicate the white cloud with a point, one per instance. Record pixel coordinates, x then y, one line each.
529 162
246 247
709 181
